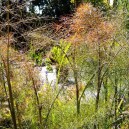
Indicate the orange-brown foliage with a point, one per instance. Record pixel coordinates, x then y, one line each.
89 26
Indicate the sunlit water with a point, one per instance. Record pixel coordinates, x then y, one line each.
47 77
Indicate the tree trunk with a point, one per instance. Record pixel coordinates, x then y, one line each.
115 97
98 83
77 92
75 72
7 70
39 106
106 99
98 79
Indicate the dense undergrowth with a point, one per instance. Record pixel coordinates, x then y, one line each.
95 52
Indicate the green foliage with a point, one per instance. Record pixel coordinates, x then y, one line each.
54 8
121 5
48 64
36 56
103 5
59 53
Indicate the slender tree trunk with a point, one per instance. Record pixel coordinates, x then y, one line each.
115 97
39 106
5 89
77 92
106 90
11 99
98 79
98 83
98 90
76 79
18 116
7 70
106 98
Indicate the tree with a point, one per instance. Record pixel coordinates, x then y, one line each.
16 12
89 28
53 8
